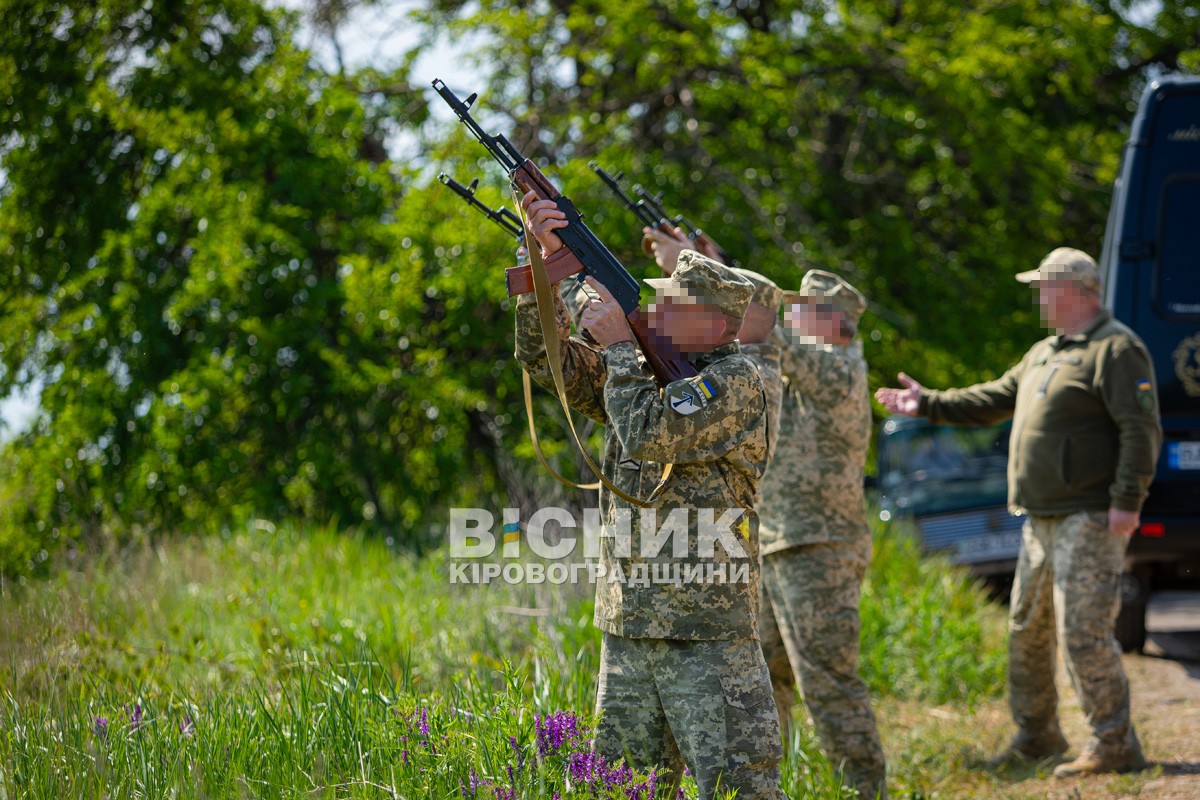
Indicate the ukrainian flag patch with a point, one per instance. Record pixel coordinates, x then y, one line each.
1145 396
690 395
512 532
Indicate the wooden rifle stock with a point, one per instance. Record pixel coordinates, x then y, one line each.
666 364
560 265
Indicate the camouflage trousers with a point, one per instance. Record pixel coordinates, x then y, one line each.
809 626
1068 583
706 704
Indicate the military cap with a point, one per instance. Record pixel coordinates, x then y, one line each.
700 279
766 291
826 287
1065 263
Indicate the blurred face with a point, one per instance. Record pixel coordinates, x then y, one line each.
813 323
758 324
1063 302
688 327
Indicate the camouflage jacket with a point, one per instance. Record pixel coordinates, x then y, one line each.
713 428
813 490
766 356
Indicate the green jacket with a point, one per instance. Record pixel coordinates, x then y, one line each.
1085 431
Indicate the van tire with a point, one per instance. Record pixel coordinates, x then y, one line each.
1131 620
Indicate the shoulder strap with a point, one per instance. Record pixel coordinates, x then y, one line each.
544 296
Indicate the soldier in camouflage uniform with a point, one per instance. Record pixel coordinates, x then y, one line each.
1082 453
815 540
682 677
756 334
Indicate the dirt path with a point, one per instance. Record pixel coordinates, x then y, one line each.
940 752
1166 710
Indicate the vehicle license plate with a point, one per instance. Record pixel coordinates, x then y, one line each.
993 545
1184 455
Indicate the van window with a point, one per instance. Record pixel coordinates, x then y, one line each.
1177 290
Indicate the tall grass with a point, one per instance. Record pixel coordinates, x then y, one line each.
285 663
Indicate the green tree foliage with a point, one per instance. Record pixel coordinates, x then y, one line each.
927 150
183 197
238 303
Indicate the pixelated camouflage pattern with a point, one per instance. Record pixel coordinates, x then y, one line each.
700 279
813 490
575 294
766 356
809 627
719 453
1066 595
703 704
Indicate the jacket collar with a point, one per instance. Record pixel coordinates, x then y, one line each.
1098 322
717 353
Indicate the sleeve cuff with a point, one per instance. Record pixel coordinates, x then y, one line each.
923 401
1125 503
621 356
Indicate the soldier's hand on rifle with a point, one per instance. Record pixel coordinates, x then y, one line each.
603 318
666 248
543 219
901 401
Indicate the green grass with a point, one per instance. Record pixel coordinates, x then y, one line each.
281 663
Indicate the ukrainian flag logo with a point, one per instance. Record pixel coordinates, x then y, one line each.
1145 396
512 532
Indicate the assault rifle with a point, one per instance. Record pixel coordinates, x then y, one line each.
645 215
583 251
665 221
502 216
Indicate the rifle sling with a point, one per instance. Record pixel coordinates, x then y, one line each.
543 293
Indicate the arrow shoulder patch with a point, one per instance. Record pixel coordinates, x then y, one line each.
689 396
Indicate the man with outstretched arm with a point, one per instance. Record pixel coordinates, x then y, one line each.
1084 443
682 677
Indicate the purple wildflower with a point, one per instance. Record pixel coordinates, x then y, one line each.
101 727
584 767
187 726
404 757
512 742
135 716
423 725
554 730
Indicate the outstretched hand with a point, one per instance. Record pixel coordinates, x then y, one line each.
901 401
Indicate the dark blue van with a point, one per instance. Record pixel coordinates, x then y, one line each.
1151 268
